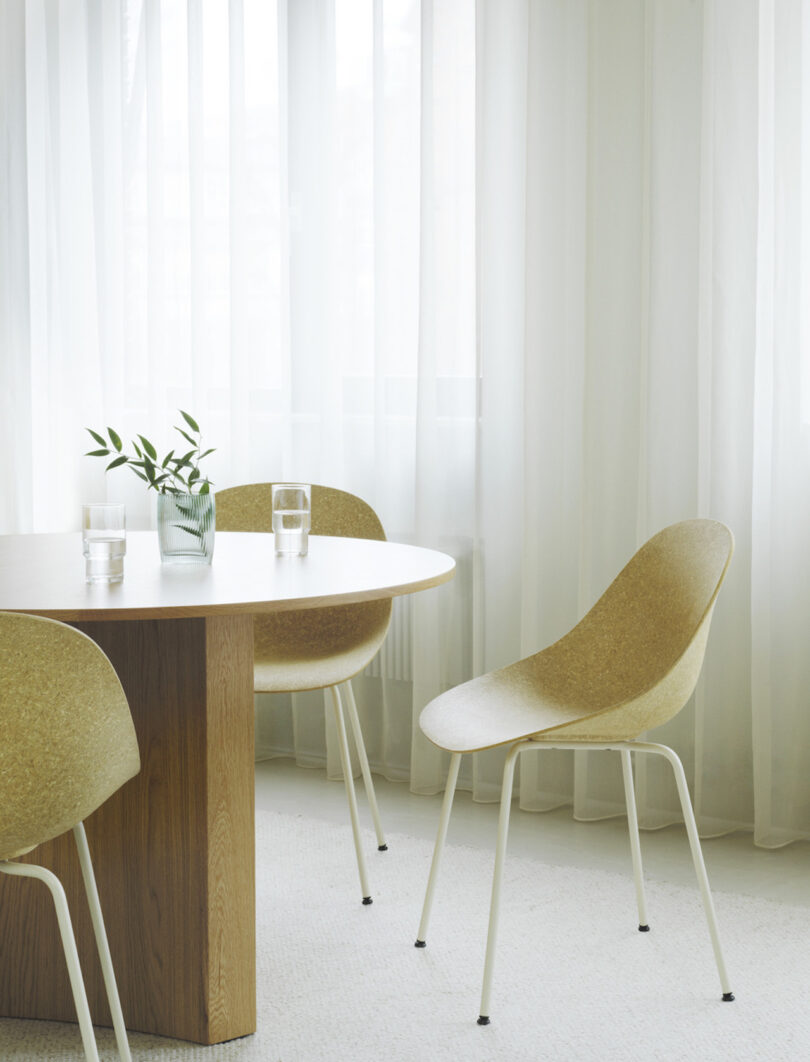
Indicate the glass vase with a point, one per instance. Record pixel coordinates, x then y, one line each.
186 524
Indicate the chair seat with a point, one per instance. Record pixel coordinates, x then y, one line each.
494 709
629 664
543 698
19 852
297 672
316 648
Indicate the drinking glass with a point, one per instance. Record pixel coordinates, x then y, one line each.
291 517
104 541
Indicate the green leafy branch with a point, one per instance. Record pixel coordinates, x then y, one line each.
199 516
177 473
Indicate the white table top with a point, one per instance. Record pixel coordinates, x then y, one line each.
44 574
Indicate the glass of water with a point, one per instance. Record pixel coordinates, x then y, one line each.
104 541
291 515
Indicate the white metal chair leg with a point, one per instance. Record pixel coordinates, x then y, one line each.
635 845
102 943
345 760
444 819
500 853
625 749
371 796
700 866
28 870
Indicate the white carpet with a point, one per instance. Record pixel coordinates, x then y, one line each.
574 979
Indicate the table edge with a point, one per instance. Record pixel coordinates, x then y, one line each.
102 614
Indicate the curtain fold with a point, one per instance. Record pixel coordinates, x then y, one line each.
16 427
528 275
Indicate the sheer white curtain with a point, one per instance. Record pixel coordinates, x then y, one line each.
642 211
528 275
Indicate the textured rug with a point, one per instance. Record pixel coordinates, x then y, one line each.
574 979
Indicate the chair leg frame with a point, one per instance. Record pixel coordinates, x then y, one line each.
697 859
635 843
348 780
444 818
102 944
371 796
625 748
497 877
30 870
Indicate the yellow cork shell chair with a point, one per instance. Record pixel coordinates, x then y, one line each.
318 648
629 665
68 743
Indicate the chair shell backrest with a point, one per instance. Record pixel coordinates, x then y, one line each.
68 741
334 512
633 661
309 634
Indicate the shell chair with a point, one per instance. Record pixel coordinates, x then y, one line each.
68 744
318 648
629 665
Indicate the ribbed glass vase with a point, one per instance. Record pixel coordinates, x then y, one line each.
186 524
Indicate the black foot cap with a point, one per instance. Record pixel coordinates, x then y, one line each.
644 929
420 944
728 997
367 900
382 847
483 1020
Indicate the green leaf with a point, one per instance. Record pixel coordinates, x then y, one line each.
192 529
192 423
184 461
187 437
178 476
148 447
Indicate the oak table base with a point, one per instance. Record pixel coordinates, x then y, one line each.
173 849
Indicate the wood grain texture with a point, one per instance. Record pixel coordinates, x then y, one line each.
173 849
231 830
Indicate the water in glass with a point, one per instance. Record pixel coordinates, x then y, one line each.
291 504
291 528
104 541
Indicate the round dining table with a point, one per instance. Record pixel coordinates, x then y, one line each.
173 849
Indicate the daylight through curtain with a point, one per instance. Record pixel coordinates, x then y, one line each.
528 275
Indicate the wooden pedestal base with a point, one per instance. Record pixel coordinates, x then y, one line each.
173 850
